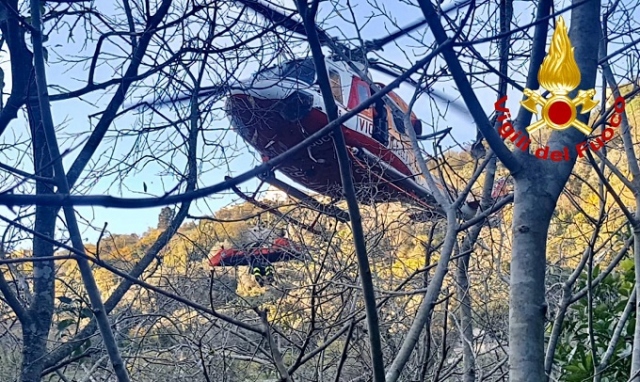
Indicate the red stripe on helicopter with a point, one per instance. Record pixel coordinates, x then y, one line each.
357 139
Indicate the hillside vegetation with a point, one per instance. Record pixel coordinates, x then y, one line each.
164 339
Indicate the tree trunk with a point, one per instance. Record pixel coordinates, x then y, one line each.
466 321
532 213
36 332
538 187
36 323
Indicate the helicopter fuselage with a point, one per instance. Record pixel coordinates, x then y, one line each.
279 107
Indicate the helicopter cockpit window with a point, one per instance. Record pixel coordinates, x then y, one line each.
363 92
398 121
336 86
302 70
269 73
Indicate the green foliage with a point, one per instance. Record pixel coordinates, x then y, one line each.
610 297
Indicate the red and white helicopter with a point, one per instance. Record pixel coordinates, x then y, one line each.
282 105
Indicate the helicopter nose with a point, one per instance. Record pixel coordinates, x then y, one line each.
283 96
268 89
296 106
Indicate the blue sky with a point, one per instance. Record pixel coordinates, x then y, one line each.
73 116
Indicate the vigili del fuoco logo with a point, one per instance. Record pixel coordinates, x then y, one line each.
559 74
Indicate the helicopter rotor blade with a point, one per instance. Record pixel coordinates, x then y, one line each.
288 22
296 26
205 91
378 44
392 73
454 104
271 14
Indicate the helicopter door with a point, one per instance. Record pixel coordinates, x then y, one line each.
336 86
360 92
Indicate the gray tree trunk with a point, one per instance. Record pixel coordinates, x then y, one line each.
538 187
35 332
37 321
538 182
63 187
462 274
466 316
533 208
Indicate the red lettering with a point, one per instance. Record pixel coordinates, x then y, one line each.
607 134
504 116
581 148
556 156
542 153
501 102
505 130
523 143
615 120
619 105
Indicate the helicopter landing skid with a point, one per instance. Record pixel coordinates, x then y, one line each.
414 193
305 199
270 209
